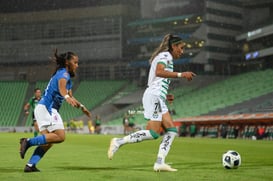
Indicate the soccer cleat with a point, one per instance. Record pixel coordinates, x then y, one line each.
163 167
114 146
23 147
31 169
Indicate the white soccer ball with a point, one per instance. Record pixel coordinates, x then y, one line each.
231 159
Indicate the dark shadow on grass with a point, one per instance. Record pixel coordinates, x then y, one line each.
211 165
85 168
102 168
196 165
11 170
146 167
254 165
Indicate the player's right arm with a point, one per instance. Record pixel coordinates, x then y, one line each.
26 108
161 72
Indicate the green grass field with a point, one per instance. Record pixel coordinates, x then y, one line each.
84 157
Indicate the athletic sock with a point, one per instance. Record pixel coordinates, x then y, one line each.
38 140
138 137
36 156
165 145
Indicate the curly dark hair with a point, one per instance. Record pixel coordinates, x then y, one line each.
60 59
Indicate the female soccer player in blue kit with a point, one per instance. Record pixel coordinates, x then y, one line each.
46 112
154 98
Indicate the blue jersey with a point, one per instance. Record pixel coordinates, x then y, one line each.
52 97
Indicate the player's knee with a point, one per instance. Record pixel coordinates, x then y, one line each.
60 138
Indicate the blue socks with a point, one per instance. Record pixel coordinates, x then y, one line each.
39 151
36 156
38 140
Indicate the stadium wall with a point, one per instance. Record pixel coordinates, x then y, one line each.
88 31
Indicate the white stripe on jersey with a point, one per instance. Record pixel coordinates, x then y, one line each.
157 85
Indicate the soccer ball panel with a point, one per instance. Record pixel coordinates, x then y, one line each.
231 159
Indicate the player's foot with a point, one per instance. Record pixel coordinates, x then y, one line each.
163 167
31 169
114 146
23 147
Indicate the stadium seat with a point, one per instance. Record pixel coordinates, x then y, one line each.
12 99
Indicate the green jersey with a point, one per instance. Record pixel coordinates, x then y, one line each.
33 102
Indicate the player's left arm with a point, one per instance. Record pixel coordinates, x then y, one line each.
80 105
63 91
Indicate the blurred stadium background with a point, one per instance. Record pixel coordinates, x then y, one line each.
229 44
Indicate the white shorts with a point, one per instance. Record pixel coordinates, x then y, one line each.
154 106
46 121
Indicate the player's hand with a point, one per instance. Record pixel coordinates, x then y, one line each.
188 75
72 101
86 112
170 98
